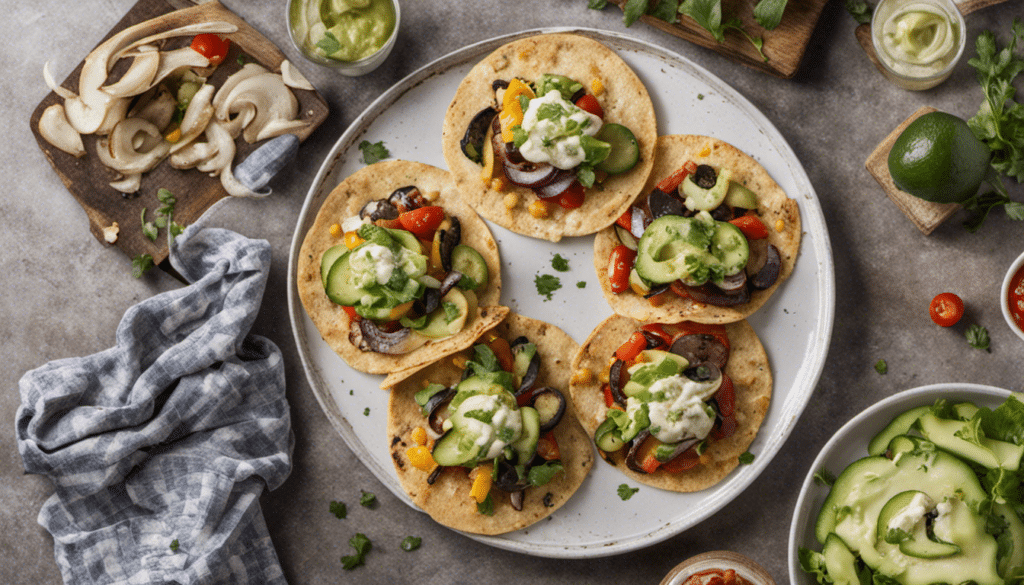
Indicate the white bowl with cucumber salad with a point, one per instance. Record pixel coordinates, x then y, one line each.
947 521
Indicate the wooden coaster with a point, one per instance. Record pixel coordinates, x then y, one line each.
926 215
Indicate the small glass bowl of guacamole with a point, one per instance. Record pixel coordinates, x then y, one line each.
917 42
352 36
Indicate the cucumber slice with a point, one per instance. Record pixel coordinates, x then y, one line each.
607 437
472 265
625 151
339 285
730 247
740 196
898 426
991 453
455 448
839 561
329 258
440 324
526 445
701 199
407 240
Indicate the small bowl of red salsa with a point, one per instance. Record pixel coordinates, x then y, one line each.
1011 297
718 568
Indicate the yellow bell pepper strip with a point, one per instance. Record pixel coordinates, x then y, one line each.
511 111
481 482
421 458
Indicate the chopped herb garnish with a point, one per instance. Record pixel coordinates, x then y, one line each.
626 492
174 545
747 458
581 284
560 263
881 367
977 337
451 311
547 285
141 264
339 509
362 545
367 500
329 44
373 151
366 411
486 507
542 474
411 543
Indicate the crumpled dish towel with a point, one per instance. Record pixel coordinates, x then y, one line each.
160 446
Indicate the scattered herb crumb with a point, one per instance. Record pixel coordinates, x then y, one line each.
339 509
700 96
351 392
367 500
241 59
174 545
547 284
581 284
881 367
373 151
747 458
366 411
362 545
977 337
626 492
824 477
411 543
560 263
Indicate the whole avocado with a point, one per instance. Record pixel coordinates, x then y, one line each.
937 158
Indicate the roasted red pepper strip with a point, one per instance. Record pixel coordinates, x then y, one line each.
547 447
632 348
620 262
573 196
423 221
686 460
671 182
726 396
751 226
625 220
658 331
502 351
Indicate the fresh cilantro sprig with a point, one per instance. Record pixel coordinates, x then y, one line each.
163 218
362 545
373 151
625 492
977 337
547 284
999 123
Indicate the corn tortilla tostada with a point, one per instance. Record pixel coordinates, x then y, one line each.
681 404
751 232
387 299
532 472
550 201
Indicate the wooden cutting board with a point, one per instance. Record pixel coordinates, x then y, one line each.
89 181
784 47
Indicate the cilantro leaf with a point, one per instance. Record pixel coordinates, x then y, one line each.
560 263
547 284
746 458
362 545
542 474
411 543
174 545
367 500
329 44
625 492
581 284
486 507
339 509
977 337
768 13
141 264
373 151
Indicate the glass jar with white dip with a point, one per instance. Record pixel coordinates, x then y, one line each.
917 42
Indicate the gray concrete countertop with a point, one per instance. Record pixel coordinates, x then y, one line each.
64 293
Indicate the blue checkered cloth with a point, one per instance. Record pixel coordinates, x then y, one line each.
159 447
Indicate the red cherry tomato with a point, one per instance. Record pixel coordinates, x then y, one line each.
751 226
547 447
620 262
632 348
625 220
588 103
212 47
423 221
572 197
671 182
946 309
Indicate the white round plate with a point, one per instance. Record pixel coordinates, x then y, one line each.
795 325
850 443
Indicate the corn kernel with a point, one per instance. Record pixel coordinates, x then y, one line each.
481 482
582 376
602 377
540 209
510 201
780 225
421 458
419 436
597 86
352 240
704 151
174 135
498 184
335 229
431 196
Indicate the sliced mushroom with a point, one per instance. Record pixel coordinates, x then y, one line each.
55 129
516 499
407 198
710 294
524 174
129 184
140 74
705 176
134 146
507 478
156 106
527 374
699 348
472 143
435 408
367 336
632 460
660 203
769 272
293 77
197 117
264 96
733 283
224 145
449 239
561 181
615 375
